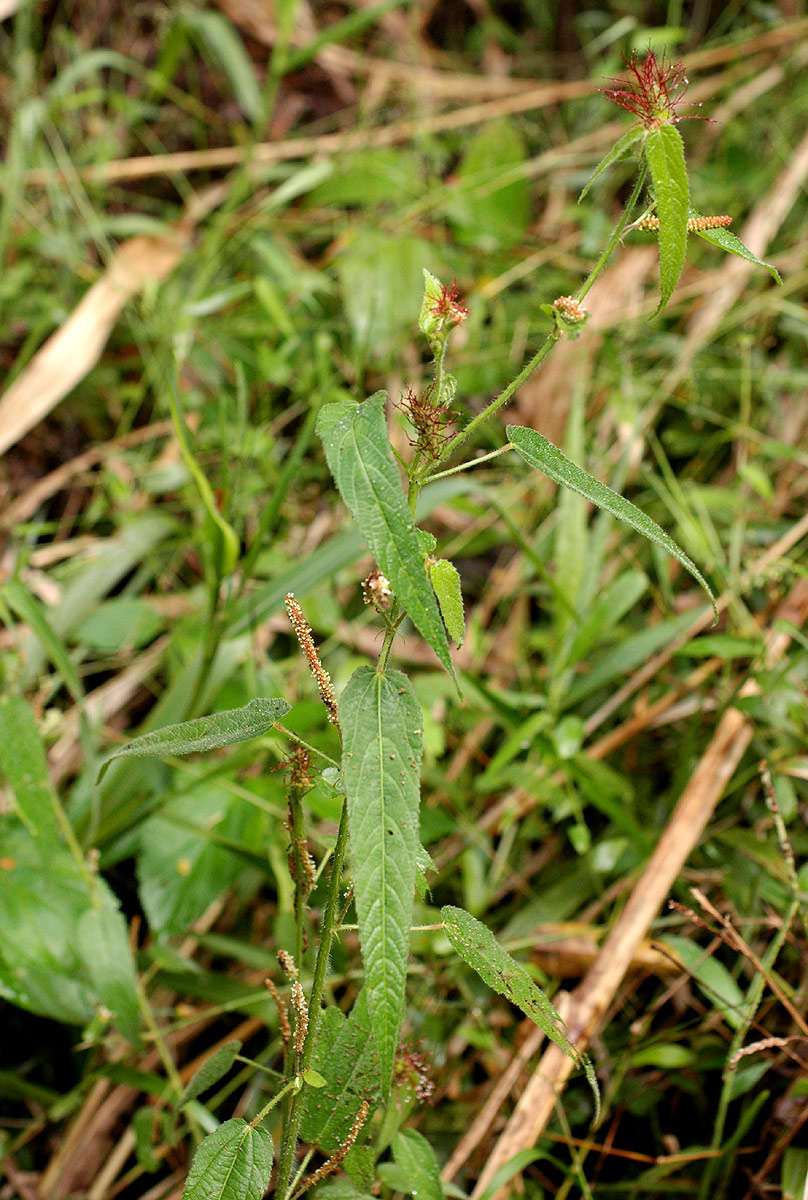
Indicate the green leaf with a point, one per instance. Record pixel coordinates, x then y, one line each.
446 582
382 748
733 245
665 154
313 1078
538 452
357 448
23 762
187 856
489 202
227 48
233 1163
413 1153
427 319
211 1071
619 150
34 614
713 979
380 281
43 898
478 947
123 621
103 943
205 733
220 535
345 1056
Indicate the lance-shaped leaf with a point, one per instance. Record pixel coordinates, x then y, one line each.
446 582
478 947
212 1070
733 245
357 448
346 1057
619 150
665 155
413 1153
545 456
382 747
233 1163
205 733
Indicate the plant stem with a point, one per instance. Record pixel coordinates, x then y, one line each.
467 466
298 835
292 1126
552 338
292 1086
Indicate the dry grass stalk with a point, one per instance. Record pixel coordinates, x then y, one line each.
74 349
592 998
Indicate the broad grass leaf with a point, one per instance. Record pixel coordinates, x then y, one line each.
413 1153
233 1163
227 49
346 1057
382 747
446 582
205 733
665 155
357 448
489 203
381 282
33 612
23 763
122 621
726 240
372 177
538 452
103 943
619 150
221 541
186 860
478 947
212 1070
713 979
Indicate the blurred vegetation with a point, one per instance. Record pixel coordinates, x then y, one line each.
328 152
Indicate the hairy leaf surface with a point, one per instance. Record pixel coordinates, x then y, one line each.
478 947
665 154
619 150
205 733
211 1071
446 582
382 749
357 448
538 452
233 1163
346 1057
733 245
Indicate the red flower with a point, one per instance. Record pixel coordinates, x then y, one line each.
655 92
448 304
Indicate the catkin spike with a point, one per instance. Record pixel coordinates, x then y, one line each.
287 964
283 1015
304 636
694 225
336 1159
301 1015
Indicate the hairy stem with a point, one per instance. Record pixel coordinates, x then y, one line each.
540 355
292 1126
